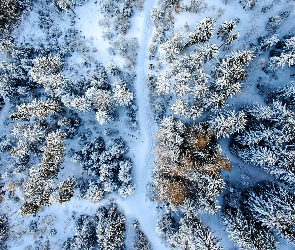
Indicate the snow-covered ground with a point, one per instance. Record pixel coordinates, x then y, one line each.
141 141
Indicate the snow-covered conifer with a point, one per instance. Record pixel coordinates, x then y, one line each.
85 237
33 133
181 108
162 84
110 229
267 139
227 123
64 4
4 230
242 229
172 48
126 190
203 32
208 51
39 109
95 192
101 99
267 42
286 57
226 29
140 241
122 95
45 66
273 206
66 189
187 233
125 171
192 234
182 83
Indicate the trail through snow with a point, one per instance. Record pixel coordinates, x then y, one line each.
138 205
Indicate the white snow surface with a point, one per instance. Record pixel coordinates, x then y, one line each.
138 206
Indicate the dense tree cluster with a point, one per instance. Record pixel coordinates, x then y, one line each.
268 140
187 178
188 163
37 187
256 217
187 233
106 229
108 165
199 80
100 97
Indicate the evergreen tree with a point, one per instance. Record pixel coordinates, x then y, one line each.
85 236
203 32
188 163
140 241
64 4
187 233
286 57
242 228
39 109
110 229
4 231
267 140
273 206
227 123
121 94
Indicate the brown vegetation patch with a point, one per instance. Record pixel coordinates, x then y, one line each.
170 191
177 7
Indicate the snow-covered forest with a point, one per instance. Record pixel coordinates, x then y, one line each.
147 124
